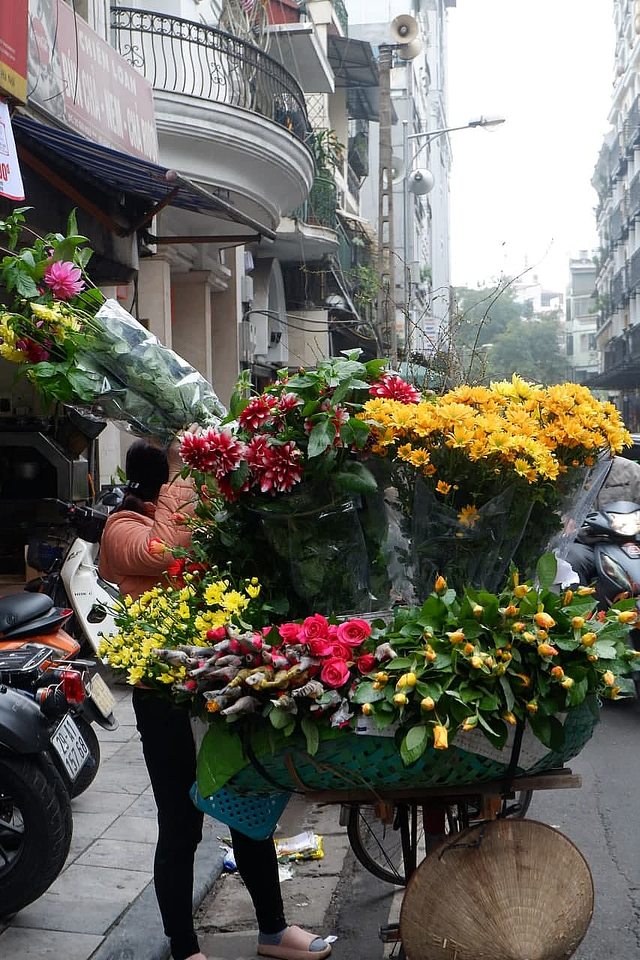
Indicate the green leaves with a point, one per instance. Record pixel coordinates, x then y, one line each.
546 570
355 478
414 743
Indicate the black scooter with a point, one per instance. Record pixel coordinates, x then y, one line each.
613 533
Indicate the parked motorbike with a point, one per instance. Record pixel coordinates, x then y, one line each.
41 751
38 656
70 572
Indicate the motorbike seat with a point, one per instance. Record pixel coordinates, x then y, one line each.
19 608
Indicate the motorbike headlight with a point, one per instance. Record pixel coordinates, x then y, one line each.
616 573
628 524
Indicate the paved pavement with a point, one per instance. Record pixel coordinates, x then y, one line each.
102 906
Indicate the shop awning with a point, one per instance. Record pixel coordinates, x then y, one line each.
623 376
352 61
66 158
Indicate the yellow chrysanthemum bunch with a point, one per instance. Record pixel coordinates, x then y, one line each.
192 614
494 435
8 340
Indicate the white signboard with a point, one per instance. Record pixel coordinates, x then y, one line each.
10 176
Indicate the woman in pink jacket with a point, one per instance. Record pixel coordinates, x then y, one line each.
165 729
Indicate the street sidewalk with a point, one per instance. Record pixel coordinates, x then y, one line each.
103 906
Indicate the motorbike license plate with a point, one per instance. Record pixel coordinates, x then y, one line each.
101 696
70 746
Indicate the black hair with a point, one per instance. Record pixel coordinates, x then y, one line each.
147 469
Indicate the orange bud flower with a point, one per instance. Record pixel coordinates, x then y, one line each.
529 637
382 677
155 547
532 706
567 683
592 658
440 737
212 706
543 635
468 649
509 717
609 678
511 611
399 699
518 626
546 650
457 636
470 723
430 653
577 623
627 616
427 704
477 610
586 591
367 709
521 591
544 620
440 585
557 672
526 681
488 661
476 662
588 639
568 597
377 685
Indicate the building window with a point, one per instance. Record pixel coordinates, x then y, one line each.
593 344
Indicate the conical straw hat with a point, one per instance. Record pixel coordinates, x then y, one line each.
505 890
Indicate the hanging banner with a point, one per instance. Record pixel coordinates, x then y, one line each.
81 81
10 176
14 19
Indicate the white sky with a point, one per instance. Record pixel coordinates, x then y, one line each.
522 193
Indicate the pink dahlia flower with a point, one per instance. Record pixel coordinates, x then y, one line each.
393 387
275 468
214 451
63 279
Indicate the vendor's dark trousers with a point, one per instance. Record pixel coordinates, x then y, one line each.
170 756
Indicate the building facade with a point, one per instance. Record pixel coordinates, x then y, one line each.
617 182
421 223
581 319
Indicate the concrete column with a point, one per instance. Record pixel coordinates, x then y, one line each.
227 314
192 335
308 338
154 297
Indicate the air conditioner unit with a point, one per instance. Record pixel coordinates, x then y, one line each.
246 289
261 328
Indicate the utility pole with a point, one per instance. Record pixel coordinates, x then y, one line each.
386 244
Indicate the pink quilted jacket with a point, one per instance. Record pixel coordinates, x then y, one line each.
124 550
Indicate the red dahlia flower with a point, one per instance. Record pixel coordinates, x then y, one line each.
393 387
257 412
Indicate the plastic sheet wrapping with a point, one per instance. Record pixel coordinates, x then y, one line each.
143 383
474 549
318 543
577 503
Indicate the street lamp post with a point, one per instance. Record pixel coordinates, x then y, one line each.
421 182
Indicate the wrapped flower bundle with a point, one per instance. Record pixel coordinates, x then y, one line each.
79 349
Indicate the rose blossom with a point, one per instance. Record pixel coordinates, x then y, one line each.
289 631
63 279
332 632
320 647
365 663
313 627
341 650
354 632
335 672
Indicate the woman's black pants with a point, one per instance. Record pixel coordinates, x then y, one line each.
170 756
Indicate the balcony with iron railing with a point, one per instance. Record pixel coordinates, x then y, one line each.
620 288
341 15
616 157
227 113
616 225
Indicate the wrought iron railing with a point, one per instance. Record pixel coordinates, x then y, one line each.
620 288
180 56
634 271
342 15
616 225
321 205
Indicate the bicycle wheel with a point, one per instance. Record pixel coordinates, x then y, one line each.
378 845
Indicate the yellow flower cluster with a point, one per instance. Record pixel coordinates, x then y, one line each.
8 339
511 428
168 617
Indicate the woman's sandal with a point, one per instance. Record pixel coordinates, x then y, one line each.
294 945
